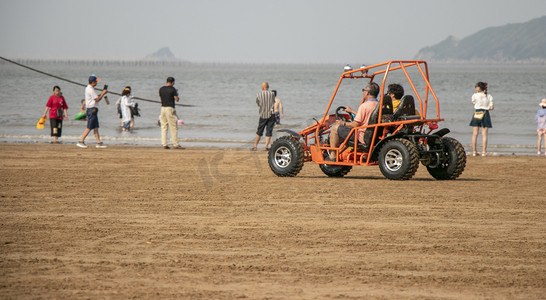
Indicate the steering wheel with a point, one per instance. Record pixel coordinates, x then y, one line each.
341 117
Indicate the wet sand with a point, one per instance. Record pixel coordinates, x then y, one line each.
144 222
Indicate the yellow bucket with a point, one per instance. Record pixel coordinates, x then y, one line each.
41 122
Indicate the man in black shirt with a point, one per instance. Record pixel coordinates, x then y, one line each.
168 117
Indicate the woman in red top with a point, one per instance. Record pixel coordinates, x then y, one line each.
57 112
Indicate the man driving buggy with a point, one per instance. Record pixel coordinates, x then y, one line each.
341 129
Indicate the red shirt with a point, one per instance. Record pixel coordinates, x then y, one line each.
55 103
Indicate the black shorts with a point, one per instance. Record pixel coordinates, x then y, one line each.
270 123
343 132
485 122
58 125
92 120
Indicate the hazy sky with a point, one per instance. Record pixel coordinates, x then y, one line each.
275 31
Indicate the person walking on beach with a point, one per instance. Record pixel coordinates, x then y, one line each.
278 110
125 106
168 117
91 102
540 118
483 103
265 101
57 112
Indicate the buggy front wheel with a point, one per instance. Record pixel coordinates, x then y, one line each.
286 156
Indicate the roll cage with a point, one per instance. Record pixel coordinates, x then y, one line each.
350 153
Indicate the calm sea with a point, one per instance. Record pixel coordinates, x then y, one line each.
224 113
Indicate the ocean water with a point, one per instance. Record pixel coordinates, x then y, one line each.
224 112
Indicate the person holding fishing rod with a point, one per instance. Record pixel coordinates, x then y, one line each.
91 102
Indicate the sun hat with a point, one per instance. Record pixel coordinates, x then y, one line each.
543 103
93 78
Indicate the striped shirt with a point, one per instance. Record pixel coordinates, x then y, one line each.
266 102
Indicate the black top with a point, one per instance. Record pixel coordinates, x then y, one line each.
167 93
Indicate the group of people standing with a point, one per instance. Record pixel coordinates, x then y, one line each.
270 111
483 104
57 108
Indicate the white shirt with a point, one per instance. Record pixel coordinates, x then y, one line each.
90 96
125 111
482 101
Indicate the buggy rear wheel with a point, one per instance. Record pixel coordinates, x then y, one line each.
398 159
452 160
286 156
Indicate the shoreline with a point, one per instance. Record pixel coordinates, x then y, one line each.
493 149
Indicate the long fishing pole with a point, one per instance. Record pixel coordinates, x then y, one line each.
80 84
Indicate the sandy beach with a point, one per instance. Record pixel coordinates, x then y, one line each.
203 223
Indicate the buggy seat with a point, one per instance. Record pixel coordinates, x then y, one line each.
406 110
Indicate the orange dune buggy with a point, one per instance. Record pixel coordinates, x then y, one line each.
395 140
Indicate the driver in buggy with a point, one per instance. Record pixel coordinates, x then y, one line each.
341 129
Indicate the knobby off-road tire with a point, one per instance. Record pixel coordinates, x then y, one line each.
398 159
455 161
286 156
335 171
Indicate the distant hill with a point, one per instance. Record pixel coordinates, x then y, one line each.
522 42
163 54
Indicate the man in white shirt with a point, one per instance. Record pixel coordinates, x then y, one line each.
91 102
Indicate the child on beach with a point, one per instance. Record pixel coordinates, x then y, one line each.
125 104
278 111
133 109
540 118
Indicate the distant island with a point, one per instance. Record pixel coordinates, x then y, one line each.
511 43
163 54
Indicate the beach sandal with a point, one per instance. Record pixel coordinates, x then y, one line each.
474 154
484 154
253 149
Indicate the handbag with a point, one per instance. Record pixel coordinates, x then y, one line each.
478 115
